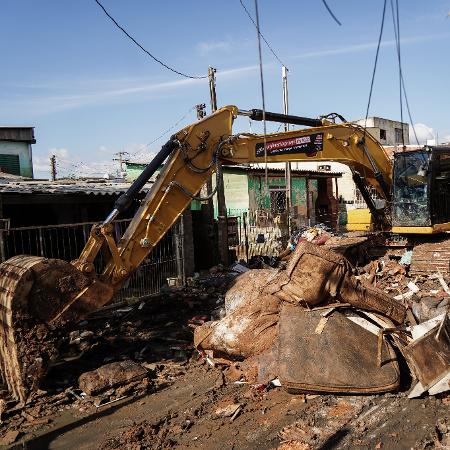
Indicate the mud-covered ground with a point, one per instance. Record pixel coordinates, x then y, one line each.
186 403
193 411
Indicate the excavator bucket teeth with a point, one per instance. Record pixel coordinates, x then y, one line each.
38 296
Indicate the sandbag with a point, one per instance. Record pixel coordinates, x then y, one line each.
369 298
316 276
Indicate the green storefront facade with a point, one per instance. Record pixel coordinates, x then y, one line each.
247 190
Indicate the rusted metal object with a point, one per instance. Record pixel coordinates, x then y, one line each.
341 358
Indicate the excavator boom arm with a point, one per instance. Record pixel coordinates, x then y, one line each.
193 155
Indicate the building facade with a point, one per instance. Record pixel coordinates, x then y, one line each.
15 150
386 131
312 197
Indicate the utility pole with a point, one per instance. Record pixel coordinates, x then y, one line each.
284 78
53 167
122 159
208 206
212 88
222 222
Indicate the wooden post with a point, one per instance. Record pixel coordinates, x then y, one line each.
179 249
222 222
188 245
244 219
208 217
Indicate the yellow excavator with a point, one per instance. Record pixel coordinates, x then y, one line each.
39 296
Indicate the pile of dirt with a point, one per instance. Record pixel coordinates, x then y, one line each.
155 334
243 416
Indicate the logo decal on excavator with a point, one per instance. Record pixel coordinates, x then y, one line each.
310 145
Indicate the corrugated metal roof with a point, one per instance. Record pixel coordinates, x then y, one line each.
17 134
48 187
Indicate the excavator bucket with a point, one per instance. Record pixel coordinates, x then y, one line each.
38 296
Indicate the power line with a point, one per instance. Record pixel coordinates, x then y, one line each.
331 13
261 77
397 37
375 64
145 50
397 40
264 39
165 132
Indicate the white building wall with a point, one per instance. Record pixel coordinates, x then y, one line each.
376 124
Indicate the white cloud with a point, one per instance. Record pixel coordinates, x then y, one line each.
95 92
41 163
368 46
423 133
61 153
214 46
97 166
48 104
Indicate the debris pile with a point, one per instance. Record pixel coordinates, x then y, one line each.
120 352
318 325
321 325
427 296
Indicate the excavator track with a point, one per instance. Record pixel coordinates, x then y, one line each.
38 297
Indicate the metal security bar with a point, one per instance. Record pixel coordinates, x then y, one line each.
67 241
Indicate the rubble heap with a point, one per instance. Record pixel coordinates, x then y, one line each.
320 320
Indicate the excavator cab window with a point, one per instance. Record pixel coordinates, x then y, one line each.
411 190
440 185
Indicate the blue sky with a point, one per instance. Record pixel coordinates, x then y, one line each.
90 92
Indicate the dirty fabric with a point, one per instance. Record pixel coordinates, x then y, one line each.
333 359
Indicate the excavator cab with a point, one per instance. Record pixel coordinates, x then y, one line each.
421 191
